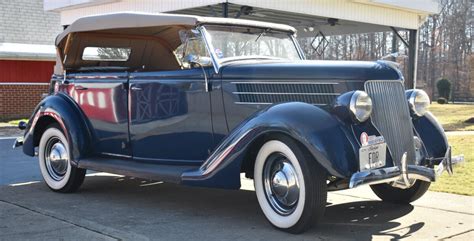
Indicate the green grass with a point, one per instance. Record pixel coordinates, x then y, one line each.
462 182
12 123
453 116
15 122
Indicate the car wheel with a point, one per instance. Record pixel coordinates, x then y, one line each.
290 185
54 162
388 193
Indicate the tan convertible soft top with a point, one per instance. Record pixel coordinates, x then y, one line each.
152 38
141 20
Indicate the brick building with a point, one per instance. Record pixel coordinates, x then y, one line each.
27 55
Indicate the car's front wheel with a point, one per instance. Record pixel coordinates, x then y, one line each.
54 162
290 185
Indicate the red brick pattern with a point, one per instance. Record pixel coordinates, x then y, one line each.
19 100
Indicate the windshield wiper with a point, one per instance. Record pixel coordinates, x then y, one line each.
262 34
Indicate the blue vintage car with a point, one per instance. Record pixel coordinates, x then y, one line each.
198 101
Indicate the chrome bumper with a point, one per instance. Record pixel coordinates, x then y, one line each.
402 176
18 142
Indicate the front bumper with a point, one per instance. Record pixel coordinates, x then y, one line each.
18 142
403 176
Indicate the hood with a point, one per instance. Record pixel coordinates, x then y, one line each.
311 69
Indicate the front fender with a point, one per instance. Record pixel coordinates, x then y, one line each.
67 114
432 135
325 137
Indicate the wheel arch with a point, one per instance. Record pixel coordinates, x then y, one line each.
248 161
316 130
62 110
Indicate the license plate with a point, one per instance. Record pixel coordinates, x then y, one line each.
372 156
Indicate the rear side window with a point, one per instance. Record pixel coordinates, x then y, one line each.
106 54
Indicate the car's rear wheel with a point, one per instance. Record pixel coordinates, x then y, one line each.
388 193
55 164
290 185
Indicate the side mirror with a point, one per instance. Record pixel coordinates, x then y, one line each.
196 60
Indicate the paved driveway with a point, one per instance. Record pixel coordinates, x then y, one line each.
110 207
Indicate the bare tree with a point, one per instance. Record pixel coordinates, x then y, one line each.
445 49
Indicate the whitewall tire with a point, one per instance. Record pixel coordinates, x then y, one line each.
289 184
54 162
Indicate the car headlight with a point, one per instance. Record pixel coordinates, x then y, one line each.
419 101
361 105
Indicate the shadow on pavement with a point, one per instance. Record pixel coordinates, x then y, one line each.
156 209
364 219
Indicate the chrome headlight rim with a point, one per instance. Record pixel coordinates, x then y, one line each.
418 108
358 113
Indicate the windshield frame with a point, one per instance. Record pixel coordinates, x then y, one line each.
218 64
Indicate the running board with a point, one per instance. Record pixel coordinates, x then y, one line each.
158 172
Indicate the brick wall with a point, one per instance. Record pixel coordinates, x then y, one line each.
21 85
25 21
19 100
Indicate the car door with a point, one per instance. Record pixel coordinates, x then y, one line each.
170 116
103 97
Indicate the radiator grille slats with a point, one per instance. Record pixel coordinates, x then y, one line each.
278 92
392 118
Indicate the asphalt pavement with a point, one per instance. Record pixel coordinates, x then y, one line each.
16 167
112 207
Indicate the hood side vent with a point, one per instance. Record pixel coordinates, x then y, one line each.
278 92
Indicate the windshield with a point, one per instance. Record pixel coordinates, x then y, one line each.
231 43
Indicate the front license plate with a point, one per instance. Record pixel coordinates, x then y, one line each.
372 156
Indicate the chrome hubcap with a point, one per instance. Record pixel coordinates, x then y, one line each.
281 184
56 158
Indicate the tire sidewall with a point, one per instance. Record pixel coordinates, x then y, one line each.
48 134
276 219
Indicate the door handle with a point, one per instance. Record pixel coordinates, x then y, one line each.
80 87
135 88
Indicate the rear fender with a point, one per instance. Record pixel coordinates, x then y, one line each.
325 137
60 109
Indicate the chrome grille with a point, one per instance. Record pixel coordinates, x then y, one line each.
391 116
278 92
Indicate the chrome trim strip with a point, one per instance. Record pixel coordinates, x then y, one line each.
263 103
99 76
253 103
214 161
115 155
284 83
298 47
169 161
206 36
278 93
